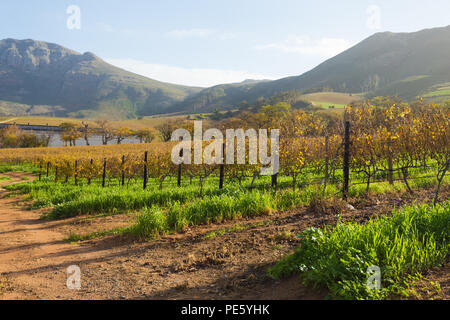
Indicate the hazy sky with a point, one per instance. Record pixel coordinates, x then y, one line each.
207 42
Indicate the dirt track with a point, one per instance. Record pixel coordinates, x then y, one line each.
34 256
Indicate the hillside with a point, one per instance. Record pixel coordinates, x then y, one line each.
65 82
404 64
385 62
224 96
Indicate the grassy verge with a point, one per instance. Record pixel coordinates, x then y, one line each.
384 187
402 246
69 200
156 221
4 168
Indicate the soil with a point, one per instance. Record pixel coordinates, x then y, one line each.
34 255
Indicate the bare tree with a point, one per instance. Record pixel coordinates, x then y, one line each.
105 131
165 129
86 131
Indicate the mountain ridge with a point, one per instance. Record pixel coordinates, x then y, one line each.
39 73
378 65
42 73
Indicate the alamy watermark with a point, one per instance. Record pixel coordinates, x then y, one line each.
74 279
258 145
74 20
374 280
373 17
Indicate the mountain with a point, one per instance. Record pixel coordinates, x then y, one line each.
404 64
382 63
50 78
43 78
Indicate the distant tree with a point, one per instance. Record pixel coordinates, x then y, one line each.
243 105
70 133
9 137
86 132
228 114
105 130
166 128
274 114
122 133
13 137
146 135
216 115
232 123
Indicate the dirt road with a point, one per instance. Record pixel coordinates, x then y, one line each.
31 261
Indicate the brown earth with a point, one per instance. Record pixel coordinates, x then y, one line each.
34 256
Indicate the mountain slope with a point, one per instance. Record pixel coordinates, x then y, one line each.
40 73
381 63
224 96
403 64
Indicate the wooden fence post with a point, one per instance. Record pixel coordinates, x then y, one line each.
345 186
67 174
75 174
104 173
390 165
275 181
56 174
89 179
123 170
180 170
145 169
48 166
222 167
40 170
327 164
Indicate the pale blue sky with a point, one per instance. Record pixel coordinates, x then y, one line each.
206 42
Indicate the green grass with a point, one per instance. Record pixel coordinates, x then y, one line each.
326 105
69 200
414 78
4 168
437 93
404 245
5 178
385 188
156 221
